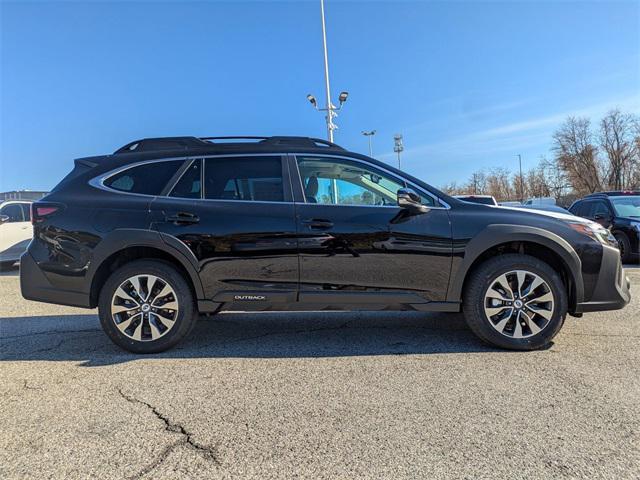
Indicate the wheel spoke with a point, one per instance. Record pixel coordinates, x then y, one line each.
122 308
124 295
537 281
503 323
532 325
517 329
151 282
545 297
521 276
491 311
135 282
155 332
166 290
137 333
166 321
122 326
546 314
502 280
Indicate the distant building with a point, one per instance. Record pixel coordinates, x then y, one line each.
21 195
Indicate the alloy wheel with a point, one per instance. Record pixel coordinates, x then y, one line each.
144 307
519 304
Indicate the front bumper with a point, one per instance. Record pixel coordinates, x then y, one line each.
36 286
612 289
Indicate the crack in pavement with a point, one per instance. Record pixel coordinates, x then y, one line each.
172 427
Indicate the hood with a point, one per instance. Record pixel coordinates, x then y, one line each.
560 216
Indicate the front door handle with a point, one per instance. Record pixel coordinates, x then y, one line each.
183 218
318 223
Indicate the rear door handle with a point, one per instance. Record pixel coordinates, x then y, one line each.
183 218
318 223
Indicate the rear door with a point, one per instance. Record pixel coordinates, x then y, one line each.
235 213
355 246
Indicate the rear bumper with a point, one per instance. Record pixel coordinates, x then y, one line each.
612 290
35 286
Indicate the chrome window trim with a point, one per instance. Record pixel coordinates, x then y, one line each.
436 199
98 182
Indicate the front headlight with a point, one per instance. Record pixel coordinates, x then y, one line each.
595 231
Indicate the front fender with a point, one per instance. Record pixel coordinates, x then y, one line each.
497 234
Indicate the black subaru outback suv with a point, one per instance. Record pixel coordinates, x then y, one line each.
164 229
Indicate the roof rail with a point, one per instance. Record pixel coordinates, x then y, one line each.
163 143
184 143
280 140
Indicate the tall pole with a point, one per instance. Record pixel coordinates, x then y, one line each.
521 180
369 135
326 76
398 147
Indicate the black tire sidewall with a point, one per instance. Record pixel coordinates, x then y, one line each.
623 240
186 313
481 280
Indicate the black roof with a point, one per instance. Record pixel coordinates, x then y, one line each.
613 193
216 144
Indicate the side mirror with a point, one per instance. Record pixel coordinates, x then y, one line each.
4 219
410 201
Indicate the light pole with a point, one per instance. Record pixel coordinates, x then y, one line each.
369 135
330 108
398 147
521 179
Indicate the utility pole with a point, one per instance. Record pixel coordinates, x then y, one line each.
398 147
369 135
330 108
521 179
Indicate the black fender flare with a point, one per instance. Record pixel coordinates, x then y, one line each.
123 238
497 234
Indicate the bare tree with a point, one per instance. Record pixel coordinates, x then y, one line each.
618 141
576 155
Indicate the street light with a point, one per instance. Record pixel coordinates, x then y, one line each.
369 135
329 108
398 147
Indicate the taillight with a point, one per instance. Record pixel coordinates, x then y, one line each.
40 211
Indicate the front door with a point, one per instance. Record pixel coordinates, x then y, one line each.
356 244
237 217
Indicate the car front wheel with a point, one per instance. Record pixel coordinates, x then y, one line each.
515 301
146 306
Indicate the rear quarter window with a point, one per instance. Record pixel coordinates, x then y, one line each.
146 179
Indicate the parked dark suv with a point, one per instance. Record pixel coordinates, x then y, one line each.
618 211
167 228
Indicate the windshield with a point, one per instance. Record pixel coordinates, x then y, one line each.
627 206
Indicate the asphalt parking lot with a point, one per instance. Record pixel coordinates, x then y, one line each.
316 395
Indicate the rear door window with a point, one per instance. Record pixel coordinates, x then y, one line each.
244 178
189 185
147 179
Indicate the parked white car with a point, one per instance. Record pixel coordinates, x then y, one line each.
15 230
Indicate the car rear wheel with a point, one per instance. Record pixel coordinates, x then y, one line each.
146 306
516 302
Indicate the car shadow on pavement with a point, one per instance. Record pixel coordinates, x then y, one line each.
247 335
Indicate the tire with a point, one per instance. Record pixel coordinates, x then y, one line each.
625 247
169 314
491 317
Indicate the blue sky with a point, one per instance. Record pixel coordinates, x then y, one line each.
469 84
